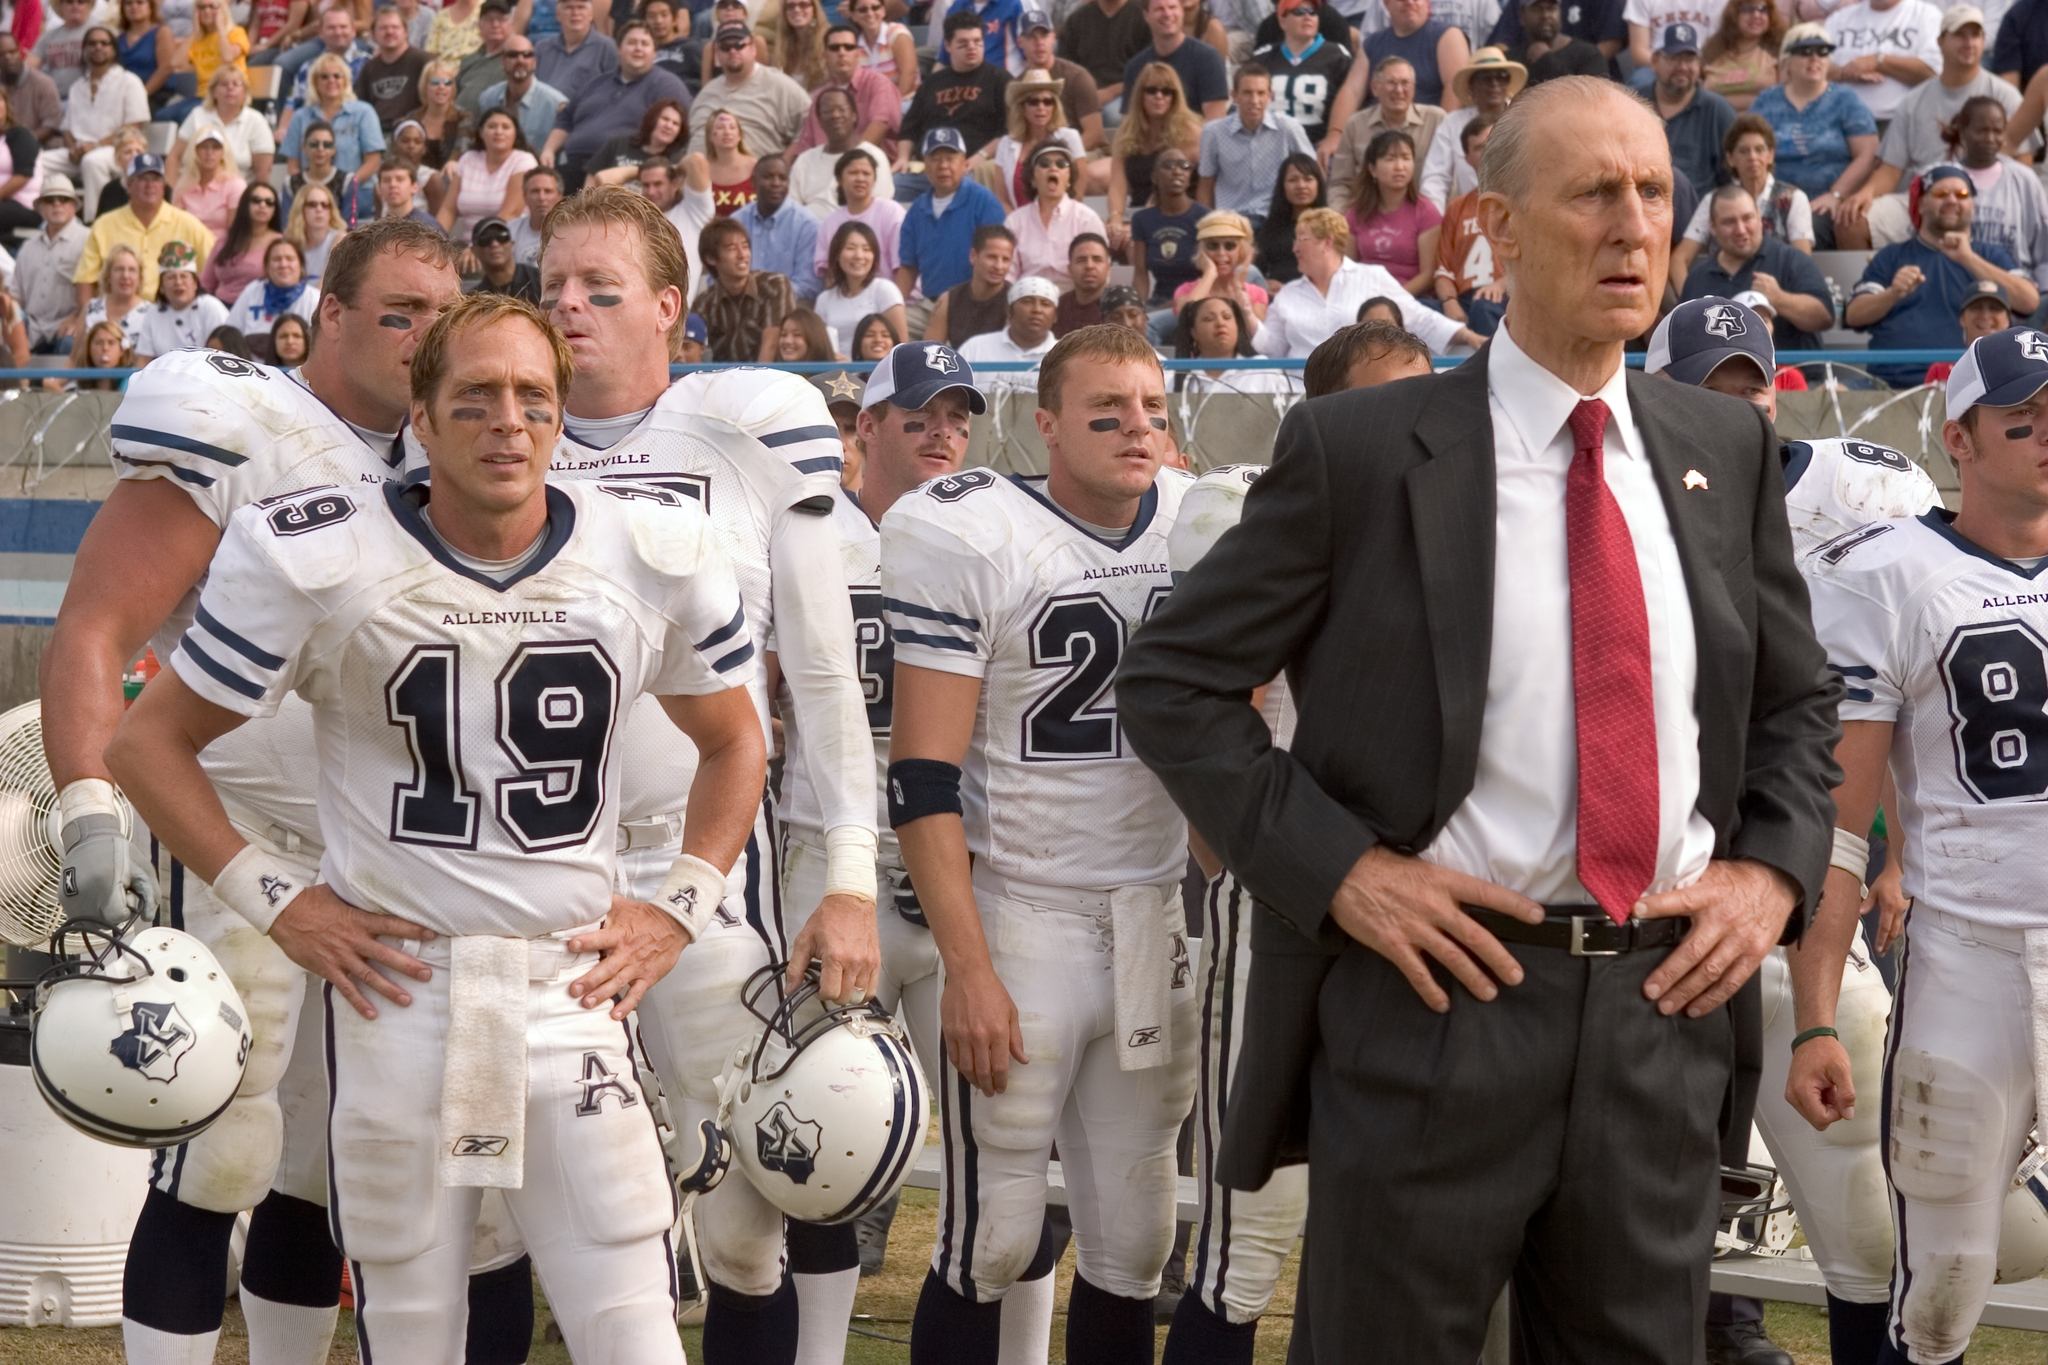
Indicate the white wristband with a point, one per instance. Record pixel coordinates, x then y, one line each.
850 862
690 894
87 796
256 886
1851 854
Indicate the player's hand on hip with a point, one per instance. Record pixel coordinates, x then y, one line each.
1821 1085
981 1028
636 946
344 945
842 938
1738 909
1409 911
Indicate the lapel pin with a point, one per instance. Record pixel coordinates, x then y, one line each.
1695 479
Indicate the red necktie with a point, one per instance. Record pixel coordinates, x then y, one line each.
1617 723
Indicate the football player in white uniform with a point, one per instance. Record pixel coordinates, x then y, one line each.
1935 626
1835 1177
1047 858
198 436
470 660
760 451
1243 1237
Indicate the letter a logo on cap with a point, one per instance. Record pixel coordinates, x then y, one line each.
2034 347
940 358
1724 321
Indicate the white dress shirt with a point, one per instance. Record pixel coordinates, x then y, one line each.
1519 825
95 110
1300 318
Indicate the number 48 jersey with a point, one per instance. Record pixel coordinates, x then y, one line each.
984 576
1950 643
467 730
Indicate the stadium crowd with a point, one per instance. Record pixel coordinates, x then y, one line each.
838 180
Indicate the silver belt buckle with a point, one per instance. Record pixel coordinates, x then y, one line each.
1578 940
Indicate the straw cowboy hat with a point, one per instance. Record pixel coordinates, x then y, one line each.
1032 83
1489 59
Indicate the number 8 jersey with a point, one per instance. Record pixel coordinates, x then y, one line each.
984 576
467 729
1950 643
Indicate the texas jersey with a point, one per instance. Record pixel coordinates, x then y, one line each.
743 482
229 433
984 576
860 552
1834 486
467 730
1950 643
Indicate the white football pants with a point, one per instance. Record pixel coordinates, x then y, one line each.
595 1209
1243 1237
1836 1177
1116 1130
1959 1089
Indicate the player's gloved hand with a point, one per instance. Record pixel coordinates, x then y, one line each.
102 878
342 944
982 1033
1821 1084
636 946
842 938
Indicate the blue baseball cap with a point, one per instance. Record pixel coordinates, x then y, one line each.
1998 371
695 330
143 163
1696 337
916 372
1678 39
943 137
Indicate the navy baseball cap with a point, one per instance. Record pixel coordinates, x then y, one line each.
1034 20
1984 291
943 137
1679 38
1998 371
1696 337
143 163
695 330
916 372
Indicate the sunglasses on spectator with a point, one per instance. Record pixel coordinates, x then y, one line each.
439 80
1159 90
1037 101
1222 243
323 145
1298 9
842 47
1058 163
265 202
512 56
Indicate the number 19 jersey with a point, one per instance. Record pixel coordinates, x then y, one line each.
985 577
1950 643
468 730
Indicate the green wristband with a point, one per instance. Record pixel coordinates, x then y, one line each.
1822 1032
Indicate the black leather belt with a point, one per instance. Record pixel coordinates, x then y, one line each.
1582 930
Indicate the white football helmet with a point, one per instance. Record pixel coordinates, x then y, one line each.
1212 505
2023 1223
826 1109
1756 1211
140 1039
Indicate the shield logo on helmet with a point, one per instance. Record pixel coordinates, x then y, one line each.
787 1144
156 1039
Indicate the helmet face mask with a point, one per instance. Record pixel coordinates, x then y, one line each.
825 1110
139 1039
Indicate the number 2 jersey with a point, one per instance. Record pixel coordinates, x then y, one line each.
229 433
468 731
1951 644
984 576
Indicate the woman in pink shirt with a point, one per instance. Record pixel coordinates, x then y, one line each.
1395 226
216 192
239 257
1050 218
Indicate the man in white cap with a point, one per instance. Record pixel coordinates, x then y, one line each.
43 269
1034 302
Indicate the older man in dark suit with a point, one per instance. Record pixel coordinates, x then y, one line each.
1560 781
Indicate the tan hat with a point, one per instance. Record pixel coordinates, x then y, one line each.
1223 223
1955 16
1032 83
57 185
1489 59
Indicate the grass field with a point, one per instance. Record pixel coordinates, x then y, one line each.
887 1301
